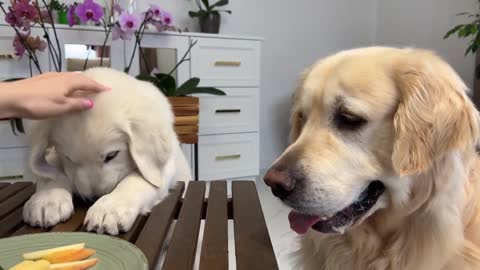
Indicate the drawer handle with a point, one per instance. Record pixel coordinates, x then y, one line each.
227 63
228 157
228 111
6 56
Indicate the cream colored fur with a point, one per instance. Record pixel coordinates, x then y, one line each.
419 141
68 157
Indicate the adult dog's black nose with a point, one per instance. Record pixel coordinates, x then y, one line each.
280 182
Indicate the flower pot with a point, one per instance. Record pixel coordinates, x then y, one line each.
185 110
210 23
62 17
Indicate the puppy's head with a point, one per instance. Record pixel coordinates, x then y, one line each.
361 120
129 129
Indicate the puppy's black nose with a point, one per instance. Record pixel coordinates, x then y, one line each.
280 182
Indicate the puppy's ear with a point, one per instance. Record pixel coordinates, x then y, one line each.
434 116
296 116
150 143
40 149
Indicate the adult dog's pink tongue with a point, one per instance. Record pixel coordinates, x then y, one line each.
300 223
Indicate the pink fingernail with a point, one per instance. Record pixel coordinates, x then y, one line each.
88 103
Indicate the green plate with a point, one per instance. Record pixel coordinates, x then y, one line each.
113 253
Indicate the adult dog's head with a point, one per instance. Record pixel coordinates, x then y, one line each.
363 122
130 128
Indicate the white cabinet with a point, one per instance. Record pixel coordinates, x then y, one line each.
228 128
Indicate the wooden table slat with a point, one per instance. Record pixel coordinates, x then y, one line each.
16 201
11 222
155 230
215 237
74 223
253 248
132 235
12 189
26 229
4 185
181 252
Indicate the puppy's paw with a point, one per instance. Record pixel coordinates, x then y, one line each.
47 208
111 215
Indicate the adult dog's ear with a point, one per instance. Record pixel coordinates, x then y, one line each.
40 146
296 115
434 116
150 141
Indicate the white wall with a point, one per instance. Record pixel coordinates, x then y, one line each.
296 34
423 23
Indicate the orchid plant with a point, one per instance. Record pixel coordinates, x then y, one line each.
23 15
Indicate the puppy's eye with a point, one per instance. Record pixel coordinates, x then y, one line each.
301 117
349 121
110 156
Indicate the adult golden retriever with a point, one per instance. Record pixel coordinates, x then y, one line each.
381 171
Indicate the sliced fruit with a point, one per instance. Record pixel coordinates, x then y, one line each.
81 265
31 265
22 265
70 255
46 252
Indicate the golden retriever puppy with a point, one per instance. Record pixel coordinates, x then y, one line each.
381 172
123 154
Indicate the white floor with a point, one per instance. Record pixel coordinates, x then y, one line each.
276 216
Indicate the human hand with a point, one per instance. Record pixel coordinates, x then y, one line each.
47 95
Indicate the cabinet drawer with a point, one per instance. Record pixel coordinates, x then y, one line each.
8 139
235 112
228 156
221 62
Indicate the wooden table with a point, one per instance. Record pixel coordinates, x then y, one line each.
253 249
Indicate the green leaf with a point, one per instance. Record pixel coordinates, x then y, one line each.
471 29
187 86
12 125
206 4
167 83
19 124
206 90
469 49
227 11
463 32
147 78
197 14
220 3
453 30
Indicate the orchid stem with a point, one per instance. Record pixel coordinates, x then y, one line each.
59 56
52 50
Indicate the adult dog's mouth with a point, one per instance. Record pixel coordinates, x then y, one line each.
343 219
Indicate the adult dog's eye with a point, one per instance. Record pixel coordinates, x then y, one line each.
348 121
110 156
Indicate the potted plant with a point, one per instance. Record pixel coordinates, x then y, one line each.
471 31
209 15
185 107
60 11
